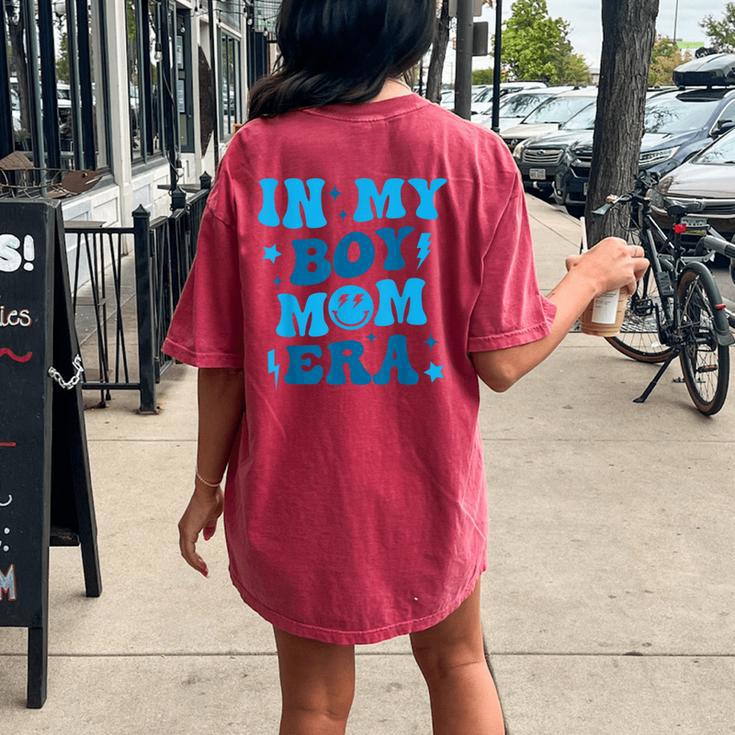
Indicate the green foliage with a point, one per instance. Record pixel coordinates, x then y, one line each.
666 56
537 47
62 59
482 76
722 31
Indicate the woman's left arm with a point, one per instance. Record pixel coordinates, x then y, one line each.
221 402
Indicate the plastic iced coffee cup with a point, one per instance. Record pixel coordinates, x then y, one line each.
605 314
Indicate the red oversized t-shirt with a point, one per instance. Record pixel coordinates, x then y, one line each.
349 258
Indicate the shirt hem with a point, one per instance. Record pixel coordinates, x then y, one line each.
353 637
200 359
510 339
517 337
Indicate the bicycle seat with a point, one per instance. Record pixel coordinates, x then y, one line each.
678 209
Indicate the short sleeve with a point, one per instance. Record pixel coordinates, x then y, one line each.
206 329
510 310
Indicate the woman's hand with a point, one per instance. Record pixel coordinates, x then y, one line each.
205 507
611 264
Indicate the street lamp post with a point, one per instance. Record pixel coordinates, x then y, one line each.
496 64
463 77
676 19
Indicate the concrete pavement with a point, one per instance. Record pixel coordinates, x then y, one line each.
608 604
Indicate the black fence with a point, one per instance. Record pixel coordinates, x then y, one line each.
123 301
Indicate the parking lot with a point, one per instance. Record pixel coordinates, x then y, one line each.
686 168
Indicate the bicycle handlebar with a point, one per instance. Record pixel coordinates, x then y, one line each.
643 182
718 245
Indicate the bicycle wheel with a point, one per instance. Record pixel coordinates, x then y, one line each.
704 362
639 338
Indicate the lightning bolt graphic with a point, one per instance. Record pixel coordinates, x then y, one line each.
273 367
424 248
343 299
358 299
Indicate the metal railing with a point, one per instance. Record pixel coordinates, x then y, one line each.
123 305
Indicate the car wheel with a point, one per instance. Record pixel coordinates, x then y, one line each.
558 195
575 210
546 192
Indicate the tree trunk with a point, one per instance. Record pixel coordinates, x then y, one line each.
16 38
629 30
438 54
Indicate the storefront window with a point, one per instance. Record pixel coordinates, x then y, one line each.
98 66
68 81
229 12
229 73
134 82
21 103
153 61
184 104
68 106
144 78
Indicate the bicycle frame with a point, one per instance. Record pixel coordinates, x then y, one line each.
669 264
669 327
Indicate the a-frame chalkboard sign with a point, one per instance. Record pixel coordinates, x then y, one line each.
45 488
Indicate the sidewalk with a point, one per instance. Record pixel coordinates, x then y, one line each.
608 605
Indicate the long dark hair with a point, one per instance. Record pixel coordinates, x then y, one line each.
341 51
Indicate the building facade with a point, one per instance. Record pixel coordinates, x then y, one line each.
145 92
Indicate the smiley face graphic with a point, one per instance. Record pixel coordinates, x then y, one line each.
351 307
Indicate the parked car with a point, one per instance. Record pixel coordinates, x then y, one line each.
709 178
514 107
540 159
677 125
575 132
549 116
482 102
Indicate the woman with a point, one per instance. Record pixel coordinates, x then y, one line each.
363 257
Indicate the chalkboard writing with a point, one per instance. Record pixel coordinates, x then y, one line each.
44 467
25 409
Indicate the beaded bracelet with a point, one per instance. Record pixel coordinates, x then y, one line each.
208 484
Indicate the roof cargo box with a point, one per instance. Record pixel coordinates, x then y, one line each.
717 70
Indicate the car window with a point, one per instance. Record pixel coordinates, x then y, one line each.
728 113
584 120
558 110
722 151
671 115
521 105
484 95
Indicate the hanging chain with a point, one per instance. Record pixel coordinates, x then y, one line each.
68 384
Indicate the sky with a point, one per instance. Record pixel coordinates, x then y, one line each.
584 17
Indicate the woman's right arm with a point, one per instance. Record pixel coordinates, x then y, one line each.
610 265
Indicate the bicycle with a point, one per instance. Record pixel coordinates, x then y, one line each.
677 309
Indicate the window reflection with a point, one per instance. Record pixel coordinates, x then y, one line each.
97 61
66 56
154 58
20 98
133 79
144 78
230 83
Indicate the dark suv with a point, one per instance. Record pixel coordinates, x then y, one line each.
677 125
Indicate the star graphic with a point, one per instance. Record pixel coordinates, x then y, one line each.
431 342
277 281
371 337
434 371
335 193
343 214
271 253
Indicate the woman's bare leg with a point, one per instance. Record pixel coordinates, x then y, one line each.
451 658
317 685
